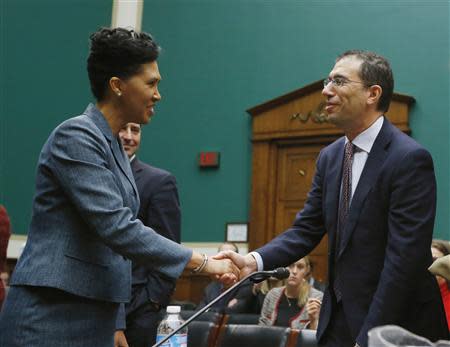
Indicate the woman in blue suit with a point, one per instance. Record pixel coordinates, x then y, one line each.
75 271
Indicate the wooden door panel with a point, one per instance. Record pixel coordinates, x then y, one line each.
285 214
319 255
295 171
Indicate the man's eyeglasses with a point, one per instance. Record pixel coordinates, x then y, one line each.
339 81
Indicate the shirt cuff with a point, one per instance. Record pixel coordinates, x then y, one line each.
121 318
259 261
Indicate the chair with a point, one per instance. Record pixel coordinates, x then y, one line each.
202 334
232 335
306 338
212 317
241 318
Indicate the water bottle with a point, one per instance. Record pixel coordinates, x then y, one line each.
172 321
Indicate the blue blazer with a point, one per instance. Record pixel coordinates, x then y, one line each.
84 227
385 245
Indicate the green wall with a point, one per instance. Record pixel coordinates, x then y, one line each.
219 58
44 46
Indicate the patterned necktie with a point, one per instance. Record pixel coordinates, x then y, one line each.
346 193
344 204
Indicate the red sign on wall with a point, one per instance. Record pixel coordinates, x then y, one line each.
209 159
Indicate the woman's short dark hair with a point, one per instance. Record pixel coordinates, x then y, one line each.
375 69
117 52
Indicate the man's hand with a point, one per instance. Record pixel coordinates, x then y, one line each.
223 269
246 264
120 339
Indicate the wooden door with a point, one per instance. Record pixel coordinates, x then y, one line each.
295 170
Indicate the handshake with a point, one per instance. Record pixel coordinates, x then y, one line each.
227 266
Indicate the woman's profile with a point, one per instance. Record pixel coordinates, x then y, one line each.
74 273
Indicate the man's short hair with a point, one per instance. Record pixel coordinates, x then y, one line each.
375 69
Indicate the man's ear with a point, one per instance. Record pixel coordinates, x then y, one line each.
115 84
375 92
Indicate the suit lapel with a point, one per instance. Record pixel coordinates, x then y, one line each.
116 149
121 160
136 167
369 176
334 178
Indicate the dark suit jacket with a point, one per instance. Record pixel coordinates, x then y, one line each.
160 210
385 246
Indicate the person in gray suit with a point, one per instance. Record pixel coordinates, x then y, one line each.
74 273
160 210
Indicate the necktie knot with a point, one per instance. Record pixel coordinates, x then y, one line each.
349 149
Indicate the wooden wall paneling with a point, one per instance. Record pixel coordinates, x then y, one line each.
259 194
271 189
191 287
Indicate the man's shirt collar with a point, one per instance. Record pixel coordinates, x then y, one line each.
366 139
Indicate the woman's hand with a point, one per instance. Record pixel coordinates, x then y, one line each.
120 339
313 309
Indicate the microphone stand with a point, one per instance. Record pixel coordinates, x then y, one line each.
262 275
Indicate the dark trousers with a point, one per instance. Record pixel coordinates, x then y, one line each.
338 333
142 325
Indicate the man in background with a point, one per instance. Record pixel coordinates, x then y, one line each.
160 210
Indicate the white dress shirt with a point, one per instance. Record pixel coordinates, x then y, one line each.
364 142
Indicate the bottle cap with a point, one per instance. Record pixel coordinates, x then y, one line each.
173 309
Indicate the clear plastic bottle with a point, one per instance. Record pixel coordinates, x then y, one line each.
172 321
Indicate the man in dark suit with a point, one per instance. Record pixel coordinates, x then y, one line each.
374 194
159 209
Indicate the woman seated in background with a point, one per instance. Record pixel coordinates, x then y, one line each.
249 299
5 233
438 250
296 304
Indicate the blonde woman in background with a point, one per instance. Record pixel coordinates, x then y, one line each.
296 304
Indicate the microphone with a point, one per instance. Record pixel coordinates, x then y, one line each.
255 277
280 273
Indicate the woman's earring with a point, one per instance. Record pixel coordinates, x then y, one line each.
119 94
